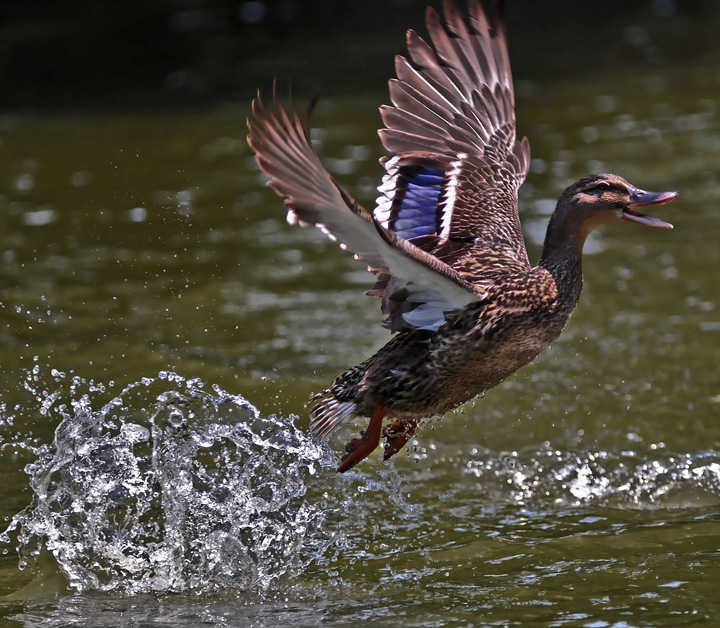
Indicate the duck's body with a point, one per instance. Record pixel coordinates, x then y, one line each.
421 373
444 242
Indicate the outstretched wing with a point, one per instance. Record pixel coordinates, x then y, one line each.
422 289
456 169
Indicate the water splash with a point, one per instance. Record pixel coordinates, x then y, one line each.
626 480
168 487
176 490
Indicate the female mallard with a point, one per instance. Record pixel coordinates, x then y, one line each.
457 288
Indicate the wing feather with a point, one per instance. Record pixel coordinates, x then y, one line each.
448 199
417 279
453 97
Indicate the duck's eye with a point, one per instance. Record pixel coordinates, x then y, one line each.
603 186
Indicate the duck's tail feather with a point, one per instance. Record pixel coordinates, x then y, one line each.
328 414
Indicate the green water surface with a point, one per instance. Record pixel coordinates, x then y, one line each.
581 492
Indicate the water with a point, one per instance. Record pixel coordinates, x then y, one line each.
162 327
195 491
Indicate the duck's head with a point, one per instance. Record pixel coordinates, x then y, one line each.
601 198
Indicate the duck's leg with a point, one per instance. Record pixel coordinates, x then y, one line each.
397 434
360 448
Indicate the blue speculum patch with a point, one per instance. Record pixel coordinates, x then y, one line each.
417 214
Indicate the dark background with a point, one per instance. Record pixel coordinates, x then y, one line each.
56 54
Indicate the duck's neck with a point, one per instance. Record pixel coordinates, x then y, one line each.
562 256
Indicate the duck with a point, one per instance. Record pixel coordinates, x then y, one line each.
465 307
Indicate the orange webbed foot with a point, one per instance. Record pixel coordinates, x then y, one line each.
360 448
397 435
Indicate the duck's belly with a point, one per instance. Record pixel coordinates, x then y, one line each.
458 369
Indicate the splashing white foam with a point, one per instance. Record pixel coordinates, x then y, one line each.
170 488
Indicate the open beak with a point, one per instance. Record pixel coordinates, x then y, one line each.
641 198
